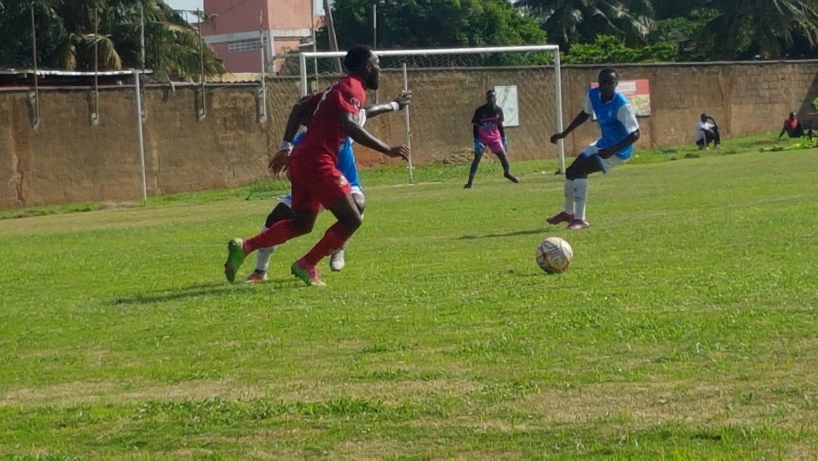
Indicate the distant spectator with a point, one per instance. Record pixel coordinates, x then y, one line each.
792 127
707 132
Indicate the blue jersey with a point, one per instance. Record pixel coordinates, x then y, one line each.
346 160
616 120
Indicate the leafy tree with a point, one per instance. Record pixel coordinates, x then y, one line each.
580 21
65 31
609 49
767 27
406 24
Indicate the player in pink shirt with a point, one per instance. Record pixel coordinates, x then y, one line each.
487 128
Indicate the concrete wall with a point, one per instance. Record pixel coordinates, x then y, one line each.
66 159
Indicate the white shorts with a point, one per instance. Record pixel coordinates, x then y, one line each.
288 199
605 164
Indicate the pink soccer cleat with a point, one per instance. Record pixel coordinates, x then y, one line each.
560 217
577 224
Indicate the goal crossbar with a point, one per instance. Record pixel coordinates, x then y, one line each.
477 50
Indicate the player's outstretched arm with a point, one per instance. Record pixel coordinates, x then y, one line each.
398 104
581 118
300 115
358 134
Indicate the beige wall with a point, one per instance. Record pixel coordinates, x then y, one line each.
69 160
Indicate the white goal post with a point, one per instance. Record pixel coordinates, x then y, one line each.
452 60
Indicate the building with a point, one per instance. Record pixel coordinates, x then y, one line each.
235 36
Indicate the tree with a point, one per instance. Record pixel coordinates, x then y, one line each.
580 21
405 24
767 27
609 49
68 30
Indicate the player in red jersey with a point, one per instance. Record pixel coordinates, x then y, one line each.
312 168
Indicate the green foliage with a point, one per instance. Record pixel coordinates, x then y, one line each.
581 21
609 49
406 24
66 37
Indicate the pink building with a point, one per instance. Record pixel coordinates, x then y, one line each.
285 24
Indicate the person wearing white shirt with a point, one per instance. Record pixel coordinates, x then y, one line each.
707 132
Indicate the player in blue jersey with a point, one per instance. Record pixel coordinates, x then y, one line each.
346 165
620 130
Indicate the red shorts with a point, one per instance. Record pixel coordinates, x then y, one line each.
316 184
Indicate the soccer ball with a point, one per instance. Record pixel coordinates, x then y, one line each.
554 255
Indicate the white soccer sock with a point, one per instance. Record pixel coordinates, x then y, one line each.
263 256
580 195
568 188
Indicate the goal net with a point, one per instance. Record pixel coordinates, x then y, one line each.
447 86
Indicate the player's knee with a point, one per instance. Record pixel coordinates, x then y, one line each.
575 172
352 221
281 212
303 226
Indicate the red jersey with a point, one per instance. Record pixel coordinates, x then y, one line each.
326 132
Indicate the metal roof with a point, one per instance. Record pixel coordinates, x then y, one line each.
72 73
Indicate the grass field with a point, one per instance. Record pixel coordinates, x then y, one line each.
685 328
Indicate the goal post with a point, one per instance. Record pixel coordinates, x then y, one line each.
448 84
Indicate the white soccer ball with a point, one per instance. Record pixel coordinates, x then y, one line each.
554 255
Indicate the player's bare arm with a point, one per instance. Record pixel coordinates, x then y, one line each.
358 134
581 118
300 115
398 104
608 152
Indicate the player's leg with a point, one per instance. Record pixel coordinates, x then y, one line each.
281 212
332 190
337 261
575 189
473 169
305 207
479 147
500 151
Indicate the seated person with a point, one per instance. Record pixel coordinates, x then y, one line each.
707 132
792 127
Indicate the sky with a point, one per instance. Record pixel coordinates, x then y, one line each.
194 4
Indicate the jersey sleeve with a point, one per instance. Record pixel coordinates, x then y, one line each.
627 118
347 99
314 100
589 107
475 120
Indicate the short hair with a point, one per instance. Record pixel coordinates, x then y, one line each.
491 91
608 70
356 56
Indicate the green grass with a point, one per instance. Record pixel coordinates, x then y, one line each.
684 329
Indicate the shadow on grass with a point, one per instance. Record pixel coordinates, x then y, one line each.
539 230
205 289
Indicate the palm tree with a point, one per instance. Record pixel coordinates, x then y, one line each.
769 27
580 21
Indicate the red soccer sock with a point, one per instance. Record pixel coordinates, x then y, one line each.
276 234
335 238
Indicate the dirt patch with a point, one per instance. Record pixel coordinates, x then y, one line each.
76 393
106 392
388 392
651 404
